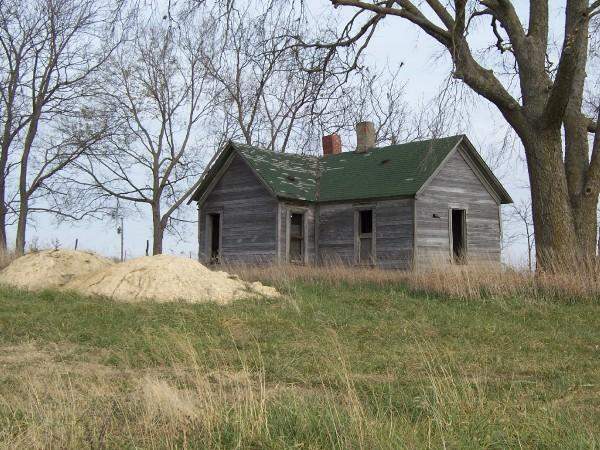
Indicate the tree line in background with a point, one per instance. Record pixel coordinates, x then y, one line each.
111 108
114 107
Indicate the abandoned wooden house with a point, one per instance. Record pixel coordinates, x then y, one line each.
398 206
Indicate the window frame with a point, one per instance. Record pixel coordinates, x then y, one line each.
208 226
465 232
358 235
288 228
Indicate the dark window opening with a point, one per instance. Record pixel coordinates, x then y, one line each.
215 237
296 237
365 236
366 221
459 235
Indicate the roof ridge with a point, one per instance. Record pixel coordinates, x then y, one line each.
390 171
322 157
271 152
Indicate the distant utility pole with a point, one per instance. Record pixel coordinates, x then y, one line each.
121 231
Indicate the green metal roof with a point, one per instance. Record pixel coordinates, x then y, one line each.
288 175
396 170
392 171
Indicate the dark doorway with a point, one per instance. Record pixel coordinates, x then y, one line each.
215 237
459 236
296 248
365 236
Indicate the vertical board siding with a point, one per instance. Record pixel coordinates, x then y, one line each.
456 185
249 216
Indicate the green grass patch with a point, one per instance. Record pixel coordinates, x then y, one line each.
330 366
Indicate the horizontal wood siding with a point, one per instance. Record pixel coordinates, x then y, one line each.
456 186
336 233
249 216
394 232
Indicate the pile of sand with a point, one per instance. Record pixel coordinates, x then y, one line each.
51 268
167 278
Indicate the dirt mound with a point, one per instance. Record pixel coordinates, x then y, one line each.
167 278
51 268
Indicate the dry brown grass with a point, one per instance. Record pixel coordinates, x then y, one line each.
184 404
344 366
6 258
473 281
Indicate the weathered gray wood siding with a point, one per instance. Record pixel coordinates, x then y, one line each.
285 209
393 221
456 186
336 233
249 217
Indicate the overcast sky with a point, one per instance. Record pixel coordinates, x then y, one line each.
425 67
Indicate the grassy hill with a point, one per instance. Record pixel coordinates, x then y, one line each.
335 364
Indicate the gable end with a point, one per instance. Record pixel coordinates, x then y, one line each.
218 171
478 166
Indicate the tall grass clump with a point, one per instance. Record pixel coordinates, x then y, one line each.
190 403
476 280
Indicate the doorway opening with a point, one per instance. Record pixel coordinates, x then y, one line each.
365 236
459 236
214 221
296 243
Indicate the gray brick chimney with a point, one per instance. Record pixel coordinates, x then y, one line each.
365 136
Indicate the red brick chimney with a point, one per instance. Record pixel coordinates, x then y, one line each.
332 144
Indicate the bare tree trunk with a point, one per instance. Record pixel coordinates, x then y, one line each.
23 200
158 231
3 211
529 259
554 226
22 227
23 189
583 202
3 206
586 222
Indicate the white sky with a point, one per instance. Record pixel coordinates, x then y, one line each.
423 72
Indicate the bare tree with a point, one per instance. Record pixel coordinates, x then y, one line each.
50 49
157 92
521 216
548 99
266 98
